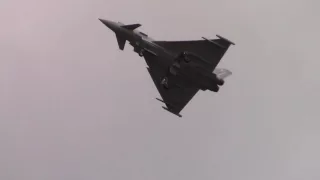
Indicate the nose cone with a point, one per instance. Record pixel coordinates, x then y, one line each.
110 24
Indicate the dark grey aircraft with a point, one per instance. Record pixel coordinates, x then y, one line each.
179 69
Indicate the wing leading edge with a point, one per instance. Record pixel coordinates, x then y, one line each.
210 50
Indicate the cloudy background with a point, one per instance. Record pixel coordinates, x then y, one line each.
74 107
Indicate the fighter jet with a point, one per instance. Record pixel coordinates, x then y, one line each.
179 69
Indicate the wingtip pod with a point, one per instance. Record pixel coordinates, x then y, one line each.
225 39
177 114
168 109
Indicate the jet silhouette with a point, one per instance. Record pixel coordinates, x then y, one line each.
179 69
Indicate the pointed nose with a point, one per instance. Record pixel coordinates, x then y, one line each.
110 24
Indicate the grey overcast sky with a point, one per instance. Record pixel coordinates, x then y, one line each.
74 107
